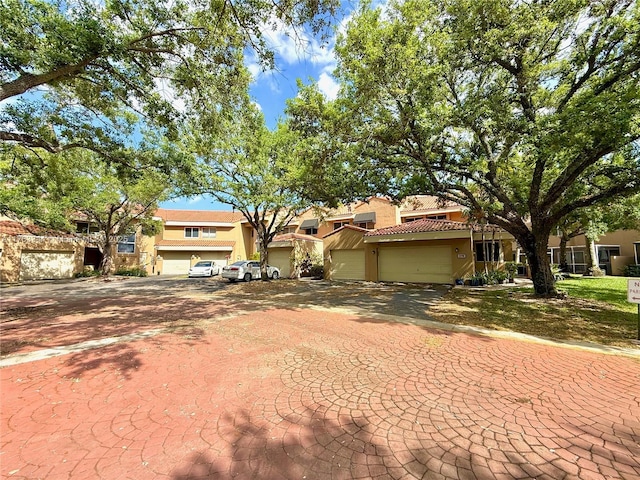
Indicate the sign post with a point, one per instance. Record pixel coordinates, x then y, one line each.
633 296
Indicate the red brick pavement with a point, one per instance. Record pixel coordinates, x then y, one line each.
284 394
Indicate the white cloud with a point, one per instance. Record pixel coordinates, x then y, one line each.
295 45
328 86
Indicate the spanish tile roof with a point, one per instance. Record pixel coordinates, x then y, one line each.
198 215
422 226
347 227
295 236
422 203
13 228
195 243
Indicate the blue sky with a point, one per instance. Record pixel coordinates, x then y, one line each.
298 55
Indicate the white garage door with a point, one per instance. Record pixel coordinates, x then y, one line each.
281 258
415 264
178 263
46 265
347 264
175 263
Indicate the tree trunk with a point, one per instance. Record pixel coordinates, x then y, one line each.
263 242
564 266
544 283
593 267
535 243
106 264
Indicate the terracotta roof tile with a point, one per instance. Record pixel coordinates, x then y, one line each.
198 215
195 243
422 226
13 228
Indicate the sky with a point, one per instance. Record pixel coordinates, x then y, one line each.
299 56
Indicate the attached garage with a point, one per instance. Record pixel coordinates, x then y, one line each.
45 265
415 264
178 263
348 264
281 258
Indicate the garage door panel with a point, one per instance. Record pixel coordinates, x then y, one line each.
281 258
415 264
176 263
46 265
347 264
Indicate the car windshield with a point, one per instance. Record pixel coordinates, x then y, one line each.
203 264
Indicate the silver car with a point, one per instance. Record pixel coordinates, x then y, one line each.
204 268
247 270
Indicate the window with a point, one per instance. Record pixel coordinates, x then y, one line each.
485 253
311 231
208 232
605 253
191 232
337 225
127 243
412 219
289 230
437 217
366 225
85 227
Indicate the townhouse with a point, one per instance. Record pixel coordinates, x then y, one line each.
421 239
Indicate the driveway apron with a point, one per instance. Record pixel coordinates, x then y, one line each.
288 392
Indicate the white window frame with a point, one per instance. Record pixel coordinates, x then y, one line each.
209 232
340 223
191 231
129 241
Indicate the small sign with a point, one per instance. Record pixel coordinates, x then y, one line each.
633 291
462 255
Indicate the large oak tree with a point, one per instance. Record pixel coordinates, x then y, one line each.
523 111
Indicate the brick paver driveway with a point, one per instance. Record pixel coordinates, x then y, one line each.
195 379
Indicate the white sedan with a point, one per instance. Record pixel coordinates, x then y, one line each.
248 270
204 268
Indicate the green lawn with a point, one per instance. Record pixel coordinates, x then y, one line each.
612 290
596 310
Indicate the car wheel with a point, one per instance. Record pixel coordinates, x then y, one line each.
275 275
247 277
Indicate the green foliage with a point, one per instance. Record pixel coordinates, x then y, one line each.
115 67
317 271
632 271
511 268
87 273
131 272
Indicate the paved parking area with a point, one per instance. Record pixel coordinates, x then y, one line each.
204 382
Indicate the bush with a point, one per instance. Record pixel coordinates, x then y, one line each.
512 269
88 272
632 271
131 272
317 271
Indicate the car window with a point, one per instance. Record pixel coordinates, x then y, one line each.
203 264
238 264
254 264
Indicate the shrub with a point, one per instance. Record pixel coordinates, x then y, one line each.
88 272
511 268
317 271
632 271
131 272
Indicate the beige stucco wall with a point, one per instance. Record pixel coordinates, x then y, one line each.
13 246
347 239
623 238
